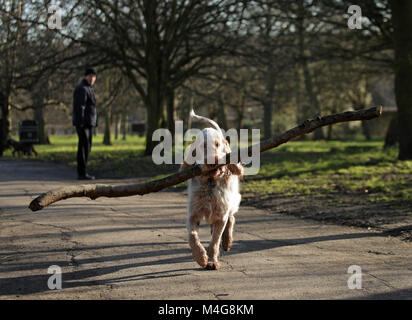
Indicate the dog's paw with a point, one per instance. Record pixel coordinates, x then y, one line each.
212 265
200 257
202 262
227 246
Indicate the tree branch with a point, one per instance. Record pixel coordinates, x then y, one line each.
94 191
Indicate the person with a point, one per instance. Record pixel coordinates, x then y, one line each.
84 119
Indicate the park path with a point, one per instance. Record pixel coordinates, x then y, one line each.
135 248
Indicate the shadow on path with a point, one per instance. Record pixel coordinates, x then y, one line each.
38 283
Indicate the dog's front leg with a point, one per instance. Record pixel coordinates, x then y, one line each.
213 250
198 251
227 237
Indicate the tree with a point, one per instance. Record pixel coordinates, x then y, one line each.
302 13
361 98
111 86
385 41
266 53
160 44
30 52
402 21
11 32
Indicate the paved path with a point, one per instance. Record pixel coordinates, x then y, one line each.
135 248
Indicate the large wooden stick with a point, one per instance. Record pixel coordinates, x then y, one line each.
94 191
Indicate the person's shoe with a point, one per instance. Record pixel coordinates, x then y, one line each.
86 177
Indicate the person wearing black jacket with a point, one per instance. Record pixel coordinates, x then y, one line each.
84 119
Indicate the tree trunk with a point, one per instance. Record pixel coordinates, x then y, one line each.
154 118
163 116
107 123
310 91
267 119
170 107
39 118
314 102
5 122
2 142
39 94
240 112
361 98
239 121
268 105
222 119
124 125
188 105
116 127
329 136
392 135
402 21
366 130
156 79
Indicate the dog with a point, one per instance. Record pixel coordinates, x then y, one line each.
24 148
213 196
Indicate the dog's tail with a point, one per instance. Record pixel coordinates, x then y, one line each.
193 115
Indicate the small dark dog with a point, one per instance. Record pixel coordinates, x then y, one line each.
24 148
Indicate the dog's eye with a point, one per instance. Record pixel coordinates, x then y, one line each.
217 144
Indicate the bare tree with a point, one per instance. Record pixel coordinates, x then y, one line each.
110 86
11 32
30 53
160 44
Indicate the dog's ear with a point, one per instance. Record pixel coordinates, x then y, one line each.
236 169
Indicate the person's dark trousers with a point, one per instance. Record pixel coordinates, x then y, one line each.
83 148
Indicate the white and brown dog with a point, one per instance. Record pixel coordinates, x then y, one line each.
213 196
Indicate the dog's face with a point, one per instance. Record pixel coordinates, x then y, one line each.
208 148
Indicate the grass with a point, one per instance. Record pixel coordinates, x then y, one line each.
296 168
122 159
333 167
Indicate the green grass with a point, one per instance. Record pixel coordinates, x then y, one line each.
360 168
333 167
122 159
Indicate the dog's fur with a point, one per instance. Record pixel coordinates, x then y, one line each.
213 196
22 148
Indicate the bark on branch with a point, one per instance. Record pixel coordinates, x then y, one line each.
94 191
